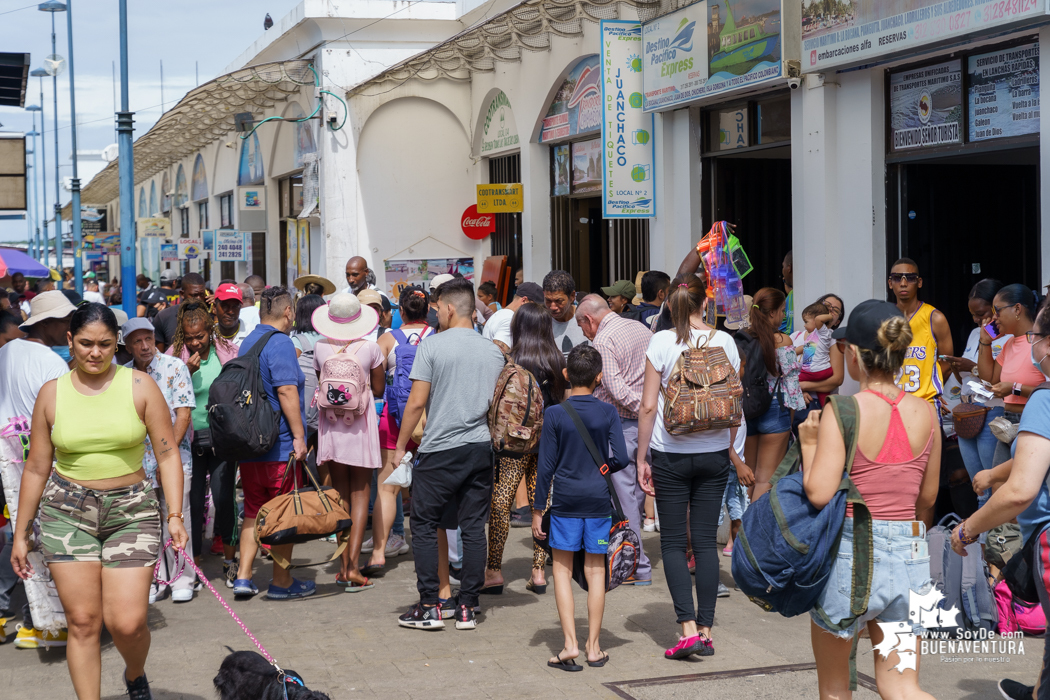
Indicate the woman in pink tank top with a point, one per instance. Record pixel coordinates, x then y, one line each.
896 469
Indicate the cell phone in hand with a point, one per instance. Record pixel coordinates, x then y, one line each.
992 329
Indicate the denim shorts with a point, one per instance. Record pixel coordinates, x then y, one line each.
776 420
901 565
574 534
734 498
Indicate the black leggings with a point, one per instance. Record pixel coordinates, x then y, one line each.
690 486
223 495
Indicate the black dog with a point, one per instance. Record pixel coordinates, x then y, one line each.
246 675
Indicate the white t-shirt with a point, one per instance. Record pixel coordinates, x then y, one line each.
498 327
664 351
249 319
25 366
94 297
816 352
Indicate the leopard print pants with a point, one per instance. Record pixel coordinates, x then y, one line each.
510 473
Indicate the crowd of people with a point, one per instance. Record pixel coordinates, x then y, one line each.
90 503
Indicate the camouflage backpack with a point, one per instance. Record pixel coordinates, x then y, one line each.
516 412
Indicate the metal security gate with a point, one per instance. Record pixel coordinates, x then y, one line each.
596 251
507 238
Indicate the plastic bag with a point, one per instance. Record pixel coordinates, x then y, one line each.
402 476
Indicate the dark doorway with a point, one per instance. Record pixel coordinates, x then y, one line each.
753 191
963 219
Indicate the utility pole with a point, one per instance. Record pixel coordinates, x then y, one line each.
126 168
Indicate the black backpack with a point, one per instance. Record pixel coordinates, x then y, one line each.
243 423
757 397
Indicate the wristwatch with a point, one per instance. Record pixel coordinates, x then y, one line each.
1017 389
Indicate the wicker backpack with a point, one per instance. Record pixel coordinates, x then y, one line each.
704 392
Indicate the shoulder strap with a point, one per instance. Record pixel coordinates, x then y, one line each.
260 344
399 336
596 456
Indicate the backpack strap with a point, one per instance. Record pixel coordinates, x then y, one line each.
596 456
260 344
399 336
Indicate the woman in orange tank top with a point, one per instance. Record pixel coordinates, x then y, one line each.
896 469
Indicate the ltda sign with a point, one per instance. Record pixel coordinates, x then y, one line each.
477 226
500 199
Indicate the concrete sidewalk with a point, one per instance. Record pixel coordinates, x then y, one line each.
350 645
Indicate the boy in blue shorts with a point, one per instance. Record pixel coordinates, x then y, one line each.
581 510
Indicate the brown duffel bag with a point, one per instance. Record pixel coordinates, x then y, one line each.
307 513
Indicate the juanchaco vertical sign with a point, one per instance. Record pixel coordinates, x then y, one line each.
627 147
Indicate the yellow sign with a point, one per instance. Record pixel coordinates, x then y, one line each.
154 227
500 199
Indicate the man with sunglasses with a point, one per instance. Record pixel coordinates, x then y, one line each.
921 374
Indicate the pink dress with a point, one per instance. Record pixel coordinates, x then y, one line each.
356 444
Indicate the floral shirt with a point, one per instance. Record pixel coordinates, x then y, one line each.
173 378
789 386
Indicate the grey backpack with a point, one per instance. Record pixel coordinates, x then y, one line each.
964 581
306 364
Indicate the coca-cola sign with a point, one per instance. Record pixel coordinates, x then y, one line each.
475 225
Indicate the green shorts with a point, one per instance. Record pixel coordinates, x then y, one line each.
117 527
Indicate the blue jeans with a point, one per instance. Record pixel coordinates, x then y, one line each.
399 515
978 453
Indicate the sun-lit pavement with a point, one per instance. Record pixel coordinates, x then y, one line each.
350 646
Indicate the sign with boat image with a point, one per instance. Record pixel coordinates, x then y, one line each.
710 47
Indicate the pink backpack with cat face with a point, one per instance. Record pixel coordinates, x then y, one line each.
343 391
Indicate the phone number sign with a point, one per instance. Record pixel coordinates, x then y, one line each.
232 246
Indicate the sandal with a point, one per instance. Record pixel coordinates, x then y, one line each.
565 664
600 662
358 587
372 569
538 589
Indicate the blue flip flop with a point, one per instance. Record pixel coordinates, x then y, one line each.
298 589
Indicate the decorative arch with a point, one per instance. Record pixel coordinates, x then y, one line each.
181 194
143 212
251 170
153 208
574 105
199 189
496 130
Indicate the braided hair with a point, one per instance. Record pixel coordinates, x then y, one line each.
195 312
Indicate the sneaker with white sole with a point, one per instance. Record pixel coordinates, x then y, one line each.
421 617
368 546
229 572
137 689
397 546
181 595
465 618
1012 690
723 590
649 525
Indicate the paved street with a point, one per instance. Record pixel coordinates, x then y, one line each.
349 645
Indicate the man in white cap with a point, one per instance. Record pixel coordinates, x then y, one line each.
26 364
173 378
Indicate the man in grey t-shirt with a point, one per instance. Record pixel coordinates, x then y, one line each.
559 295
454 376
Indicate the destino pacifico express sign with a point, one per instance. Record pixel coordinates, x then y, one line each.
837 33
627 144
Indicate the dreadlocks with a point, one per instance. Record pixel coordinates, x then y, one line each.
195 312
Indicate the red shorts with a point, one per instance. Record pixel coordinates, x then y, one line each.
261 482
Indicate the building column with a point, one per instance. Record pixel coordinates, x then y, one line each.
676 226
536 217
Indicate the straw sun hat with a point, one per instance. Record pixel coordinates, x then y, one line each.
345 318
327 285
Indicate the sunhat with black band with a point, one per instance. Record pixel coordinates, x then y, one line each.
345 318
45 305
862 327
327 286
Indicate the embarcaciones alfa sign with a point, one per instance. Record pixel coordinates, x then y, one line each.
477 226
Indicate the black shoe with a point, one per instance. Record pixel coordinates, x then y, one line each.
139 688
421 617
522 517
454 575
465 618
1012 690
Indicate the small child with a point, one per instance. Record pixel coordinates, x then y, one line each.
581 510
741 478
816 347
487 296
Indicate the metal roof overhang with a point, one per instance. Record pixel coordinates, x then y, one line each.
14 72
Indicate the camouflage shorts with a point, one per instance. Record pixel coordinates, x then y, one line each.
118 527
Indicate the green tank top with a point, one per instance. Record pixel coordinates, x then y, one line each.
98 437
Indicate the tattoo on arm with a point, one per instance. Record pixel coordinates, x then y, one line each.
29 527
163 452
138 380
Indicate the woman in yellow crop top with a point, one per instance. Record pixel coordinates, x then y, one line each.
99 516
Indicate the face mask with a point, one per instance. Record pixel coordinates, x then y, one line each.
63 351
1038 364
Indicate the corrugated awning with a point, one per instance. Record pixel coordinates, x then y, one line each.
528 25
14 72
202 116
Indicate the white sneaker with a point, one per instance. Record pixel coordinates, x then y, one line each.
367 547
397 546
181 595
649 525
156 593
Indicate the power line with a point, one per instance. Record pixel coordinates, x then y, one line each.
7 12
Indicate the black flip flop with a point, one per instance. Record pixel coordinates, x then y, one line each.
565 665
601 662
535 587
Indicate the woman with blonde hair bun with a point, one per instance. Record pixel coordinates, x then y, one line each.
896 469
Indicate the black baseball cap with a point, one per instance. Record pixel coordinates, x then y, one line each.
531 291
865 319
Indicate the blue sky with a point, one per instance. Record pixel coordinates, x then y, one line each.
187 35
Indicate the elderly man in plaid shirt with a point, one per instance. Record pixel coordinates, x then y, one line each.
622 344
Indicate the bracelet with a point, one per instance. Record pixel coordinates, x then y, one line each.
987 345
962 535
176 515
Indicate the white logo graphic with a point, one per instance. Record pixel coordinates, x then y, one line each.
923 611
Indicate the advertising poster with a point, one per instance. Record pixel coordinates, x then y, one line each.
169 253
305 143
732 129
250 170
404 273
153 227
92 220
926 106
251 198
499 132
710 47
587 166
199 182
627 145
304 247
191 249
1004 93
291 249
577 106
561 170
837 32
208 237
232 246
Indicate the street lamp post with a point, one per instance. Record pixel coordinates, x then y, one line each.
41 251
30 243
54 6
78 277
126 168
41 73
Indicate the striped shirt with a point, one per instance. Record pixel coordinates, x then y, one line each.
622 344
